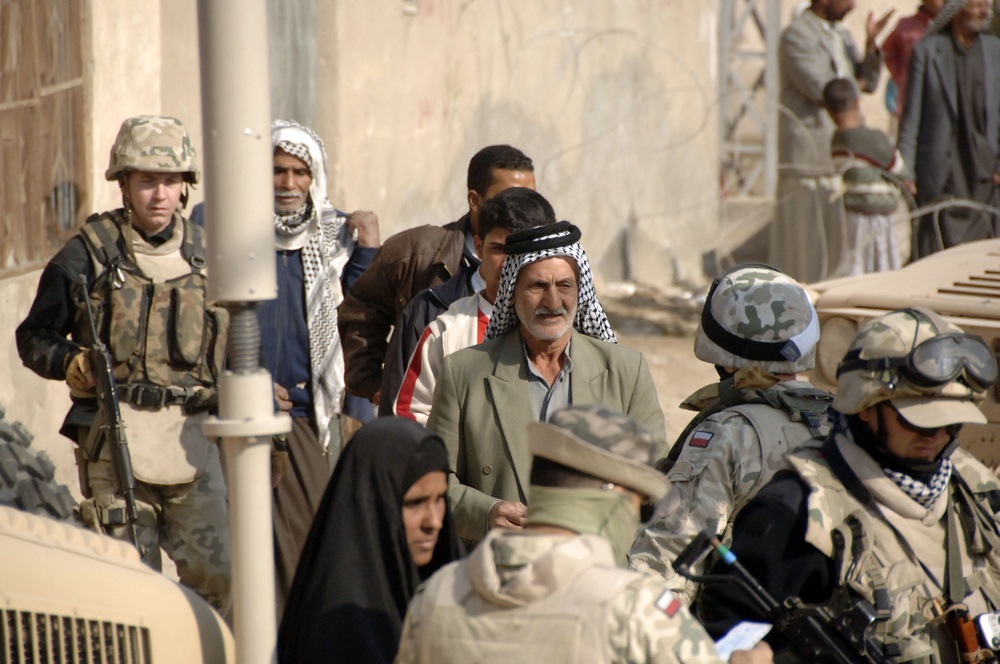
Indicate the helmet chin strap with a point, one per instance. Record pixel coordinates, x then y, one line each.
876 444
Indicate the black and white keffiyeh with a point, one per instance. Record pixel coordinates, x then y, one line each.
563 240
946 15
316 230
923 493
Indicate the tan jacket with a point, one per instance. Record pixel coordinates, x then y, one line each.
886 561
528 597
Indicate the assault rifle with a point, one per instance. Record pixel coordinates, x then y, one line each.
112 427
839 632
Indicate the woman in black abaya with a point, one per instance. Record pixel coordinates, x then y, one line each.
383 526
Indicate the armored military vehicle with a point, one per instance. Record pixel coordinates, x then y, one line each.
962 284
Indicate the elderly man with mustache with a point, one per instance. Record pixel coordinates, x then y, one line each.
548 345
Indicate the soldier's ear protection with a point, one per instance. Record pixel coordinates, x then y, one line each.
761 351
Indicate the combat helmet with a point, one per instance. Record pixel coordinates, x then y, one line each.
755 315
933 372
154 143
602 443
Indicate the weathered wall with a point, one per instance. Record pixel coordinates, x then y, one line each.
614 101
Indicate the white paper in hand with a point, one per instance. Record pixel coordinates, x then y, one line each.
743 636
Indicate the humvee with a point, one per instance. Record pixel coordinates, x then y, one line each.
962 284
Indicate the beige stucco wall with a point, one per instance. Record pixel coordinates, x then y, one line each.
614 100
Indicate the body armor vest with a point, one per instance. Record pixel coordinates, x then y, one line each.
570 625
159 332
872 560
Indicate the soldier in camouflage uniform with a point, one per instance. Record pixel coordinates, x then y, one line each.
144 266
889 509
552 592
759 329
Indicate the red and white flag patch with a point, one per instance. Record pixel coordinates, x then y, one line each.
701 439
668 603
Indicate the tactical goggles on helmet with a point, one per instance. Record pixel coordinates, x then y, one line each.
935 362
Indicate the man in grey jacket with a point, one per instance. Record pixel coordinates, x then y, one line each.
815 49
950 132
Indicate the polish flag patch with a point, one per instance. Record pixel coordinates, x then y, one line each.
668 603
700 439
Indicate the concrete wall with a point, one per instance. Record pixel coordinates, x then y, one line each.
613 100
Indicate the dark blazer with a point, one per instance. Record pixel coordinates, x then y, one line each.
928 130
482 409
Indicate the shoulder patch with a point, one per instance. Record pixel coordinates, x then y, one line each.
668 603
701 439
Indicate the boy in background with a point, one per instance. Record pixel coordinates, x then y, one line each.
863 156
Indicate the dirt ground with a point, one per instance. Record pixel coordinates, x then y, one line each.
661 325
676 372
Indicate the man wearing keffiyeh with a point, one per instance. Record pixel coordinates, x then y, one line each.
548 345
320 251
888 507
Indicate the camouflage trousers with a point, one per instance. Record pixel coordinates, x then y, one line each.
189 521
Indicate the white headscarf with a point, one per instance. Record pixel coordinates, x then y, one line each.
325 252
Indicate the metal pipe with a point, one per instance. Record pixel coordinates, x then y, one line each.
241 271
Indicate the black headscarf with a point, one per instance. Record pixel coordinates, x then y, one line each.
356 577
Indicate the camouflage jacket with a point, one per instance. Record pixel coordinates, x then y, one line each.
907 559
42 341
725 460
807 535
548 598
151 305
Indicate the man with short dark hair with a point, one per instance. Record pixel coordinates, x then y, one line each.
413 260
464 323
548 345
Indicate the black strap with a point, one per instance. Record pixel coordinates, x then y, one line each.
193 247
531 239
729 395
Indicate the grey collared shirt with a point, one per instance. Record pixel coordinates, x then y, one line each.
547 399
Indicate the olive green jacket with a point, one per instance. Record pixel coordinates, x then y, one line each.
481 409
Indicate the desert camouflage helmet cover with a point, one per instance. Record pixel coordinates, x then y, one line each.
757 316
895 335
604 443
154 143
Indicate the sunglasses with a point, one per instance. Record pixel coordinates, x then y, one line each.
950 429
